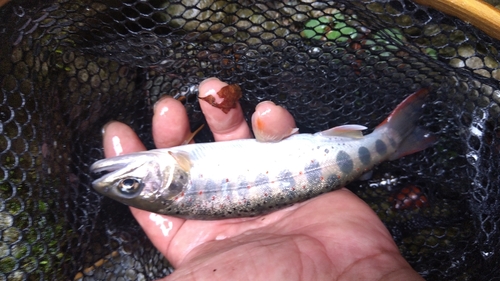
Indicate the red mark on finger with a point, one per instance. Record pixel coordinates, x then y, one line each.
260 124
230 93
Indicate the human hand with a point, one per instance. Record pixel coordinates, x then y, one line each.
335 236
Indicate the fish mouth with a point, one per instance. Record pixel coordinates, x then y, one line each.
107 169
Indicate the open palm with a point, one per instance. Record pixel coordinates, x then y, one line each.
335 236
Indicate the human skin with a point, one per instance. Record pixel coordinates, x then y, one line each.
335 236
3 2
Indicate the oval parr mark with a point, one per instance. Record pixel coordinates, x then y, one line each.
210 186
332 182
313 172
364 156
393 143
380 147
261 179
286 179
344 162
244 186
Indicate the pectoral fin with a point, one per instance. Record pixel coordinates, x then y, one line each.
351 130
182 160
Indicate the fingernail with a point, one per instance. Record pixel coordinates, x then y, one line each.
103 130
207 80
117 145
159 100
208 92
294 131
259 109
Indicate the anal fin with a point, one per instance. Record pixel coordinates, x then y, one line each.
366 176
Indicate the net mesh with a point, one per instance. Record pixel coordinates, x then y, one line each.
68 67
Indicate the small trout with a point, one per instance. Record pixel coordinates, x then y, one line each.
243 178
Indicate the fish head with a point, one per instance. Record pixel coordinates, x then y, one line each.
145 180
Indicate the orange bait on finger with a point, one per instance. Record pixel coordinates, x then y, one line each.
230 93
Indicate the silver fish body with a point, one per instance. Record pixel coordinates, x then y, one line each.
245 178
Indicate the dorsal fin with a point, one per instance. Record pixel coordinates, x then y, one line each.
350 130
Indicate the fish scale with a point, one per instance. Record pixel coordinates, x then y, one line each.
246 177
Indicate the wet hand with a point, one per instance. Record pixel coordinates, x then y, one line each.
335 236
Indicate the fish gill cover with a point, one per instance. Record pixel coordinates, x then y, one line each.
68 67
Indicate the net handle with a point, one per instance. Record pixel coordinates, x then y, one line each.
476 12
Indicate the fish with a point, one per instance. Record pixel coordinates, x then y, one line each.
245 178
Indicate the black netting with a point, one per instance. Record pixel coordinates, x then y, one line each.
68 67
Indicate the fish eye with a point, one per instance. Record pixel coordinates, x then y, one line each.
129 186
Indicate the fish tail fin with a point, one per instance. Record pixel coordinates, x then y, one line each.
403 120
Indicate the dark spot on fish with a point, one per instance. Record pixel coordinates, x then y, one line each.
210 185
261 179
381 147
326 150
344 162
392 142
287 183
243 187
364 155
332 182
313 172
